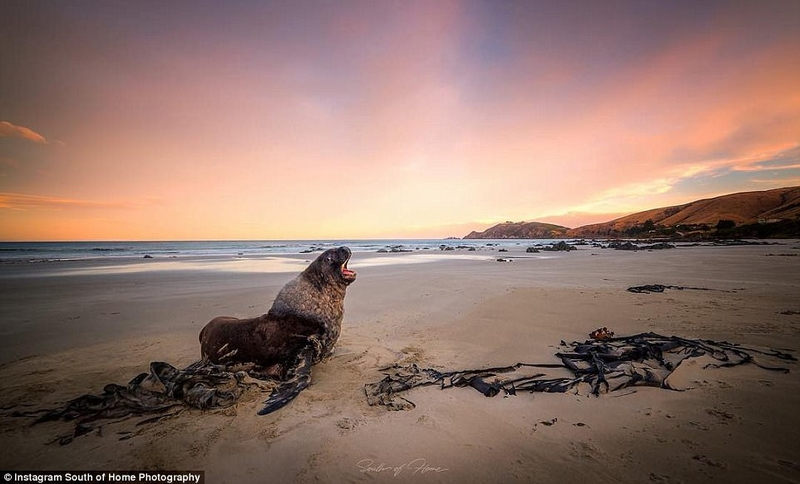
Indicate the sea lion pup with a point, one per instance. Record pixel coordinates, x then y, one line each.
300 329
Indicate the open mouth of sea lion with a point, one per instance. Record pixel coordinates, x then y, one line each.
347 274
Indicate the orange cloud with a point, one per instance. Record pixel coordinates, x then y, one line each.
6 161
23 201
758 167
784 182
577 219
9 130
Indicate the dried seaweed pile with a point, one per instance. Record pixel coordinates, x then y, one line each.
604 365
166 391
296 380
648 288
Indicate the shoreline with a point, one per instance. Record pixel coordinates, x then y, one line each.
130 252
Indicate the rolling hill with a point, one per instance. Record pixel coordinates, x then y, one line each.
758 209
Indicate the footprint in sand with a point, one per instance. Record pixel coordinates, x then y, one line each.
709 462
722 416
411 354
269 432
586 450
347 424
791 465
698 425
546 423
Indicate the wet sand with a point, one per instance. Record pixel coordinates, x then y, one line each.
71 334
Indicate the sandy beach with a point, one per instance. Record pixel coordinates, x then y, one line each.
70 333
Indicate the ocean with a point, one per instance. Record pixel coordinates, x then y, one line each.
62 251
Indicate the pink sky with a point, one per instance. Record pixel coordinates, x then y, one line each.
377 119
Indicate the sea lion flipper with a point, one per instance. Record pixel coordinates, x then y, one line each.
299 379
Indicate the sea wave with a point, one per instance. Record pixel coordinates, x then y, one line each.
37 251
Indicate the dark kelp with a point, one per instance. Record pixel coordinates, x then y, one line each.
606 365
166 391
648 288
297 380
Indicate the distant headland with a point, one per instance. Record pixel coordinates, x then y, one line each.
760 214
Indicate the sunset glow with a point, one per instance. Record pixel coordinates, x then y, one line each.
305 120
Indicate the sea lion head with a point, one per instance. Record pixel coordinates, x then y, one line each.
331 268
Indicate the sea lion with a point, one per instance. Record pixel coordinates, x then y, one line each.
309 307
300 329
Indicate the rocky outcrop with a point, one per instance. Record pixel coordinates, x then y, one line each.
559 246
520 230
627 245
